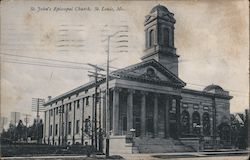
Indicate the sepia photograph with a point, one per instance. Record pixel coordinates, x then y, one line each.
116 79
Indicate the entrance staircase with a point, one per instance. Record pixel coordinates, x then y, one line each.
159 145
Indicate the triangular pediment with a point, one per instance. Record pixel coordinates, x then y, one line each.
149 71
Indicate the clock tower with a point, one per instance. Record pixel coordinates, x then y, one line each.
159 36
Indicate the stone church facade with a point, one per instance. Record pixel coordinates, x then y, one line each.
148 101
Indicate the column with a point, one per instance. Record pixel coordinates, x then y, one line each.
103 112
115 111
191 122
155 115
201 122
66 124
178 117
62 124
54 127
143 114
59 125
44 128
129 111
81 106
49 126
167 118
108 113
74 120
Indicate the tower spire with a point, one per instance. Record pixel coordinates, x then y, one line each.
159 35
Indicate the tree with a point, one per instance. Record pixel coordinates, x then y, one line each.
239 130
20 130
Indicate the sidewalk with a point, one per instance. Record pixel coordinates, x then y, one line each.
220 155
212 154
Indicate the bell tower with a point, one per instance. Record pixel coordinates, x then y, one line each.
159 36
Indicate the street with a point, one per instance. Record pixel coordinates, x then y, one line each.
132 157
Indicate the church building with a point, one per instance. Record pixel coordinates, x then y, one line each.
150 110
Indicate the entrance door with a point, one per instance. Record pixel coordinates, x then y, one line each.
150 126
137 126
172 129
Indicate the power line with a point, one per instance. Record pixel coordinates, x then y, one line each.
81 68
20 60
72 67
44 65
47 59
16 61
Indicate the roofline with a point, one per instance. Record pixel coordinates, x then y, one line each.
203 93
71 92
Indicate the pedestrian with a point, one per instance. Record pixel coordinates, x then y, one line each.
88 149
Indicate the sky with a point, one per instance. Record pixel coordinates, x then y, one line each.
46 45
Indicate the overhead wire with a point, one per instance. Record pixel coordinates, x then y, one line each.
73 67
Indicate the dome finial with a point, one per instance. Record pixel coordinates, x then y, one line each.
158 8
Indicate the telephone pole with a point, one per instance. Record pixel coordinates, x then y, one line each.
37 106
100 121
107 94
96 75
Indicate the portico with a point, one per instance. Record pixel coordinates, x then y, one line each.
145 109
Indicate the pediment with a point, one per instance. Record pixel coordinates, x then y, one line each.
149 71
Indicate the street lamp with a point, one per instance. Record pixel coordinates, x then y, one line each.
132 130
198 126
107 94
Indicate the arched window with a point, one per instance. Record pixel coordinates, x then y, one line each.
151 38
206 124
185 122
166 35
196 122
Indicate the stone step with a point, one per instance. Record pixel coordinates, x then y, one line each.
154 145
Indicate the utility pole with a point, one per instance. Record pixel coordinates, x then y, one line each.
37 106
96 75
100 117
107 95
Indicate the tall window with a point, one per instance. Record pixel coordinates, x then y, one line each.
206 124
69 128
185 122
50 130
56 129
151 38
77 126
69 106
77 104
87 101
124 123
196 122
166 36
62 131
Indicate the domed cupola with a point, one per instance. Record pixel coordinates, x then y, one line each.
159 8
159 35
215 89
163 12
